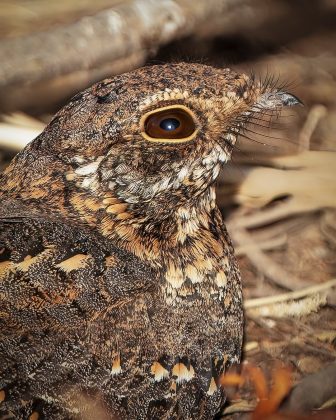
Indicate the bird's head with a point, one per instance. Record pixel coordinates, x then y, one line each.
149 140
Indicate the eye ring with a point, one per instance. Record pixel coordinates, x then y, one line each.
170 124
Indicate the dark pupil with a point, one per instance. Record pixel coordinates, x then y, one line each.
169 124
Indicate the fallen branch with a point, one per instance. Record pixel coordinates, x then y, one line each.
130 29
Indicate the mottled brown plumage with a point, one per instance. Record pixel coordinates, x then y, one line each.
120 295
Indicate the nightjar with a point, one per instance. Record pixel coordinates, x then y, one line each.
120 296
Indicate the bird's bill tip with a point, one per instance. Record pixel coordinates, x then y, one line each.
288 99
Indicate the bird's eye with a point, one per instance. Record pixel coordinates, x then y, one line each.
171 124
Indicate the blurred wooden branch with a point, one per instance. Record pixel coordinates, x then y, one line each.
17 130
111 41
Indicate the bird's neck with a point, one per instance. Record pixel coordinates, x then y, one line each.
190 246
188 234
152 237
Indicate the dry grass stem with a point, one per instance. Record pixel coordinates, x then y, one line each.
297 294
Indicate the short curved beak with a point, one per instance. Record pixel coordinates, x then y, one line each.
288 99
275 100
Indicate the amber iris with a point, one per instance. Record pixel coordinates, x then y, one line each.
170 124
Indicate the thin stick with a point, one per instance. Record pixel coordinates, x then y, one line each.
265 245
264 263
297 294
315 114
274 214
